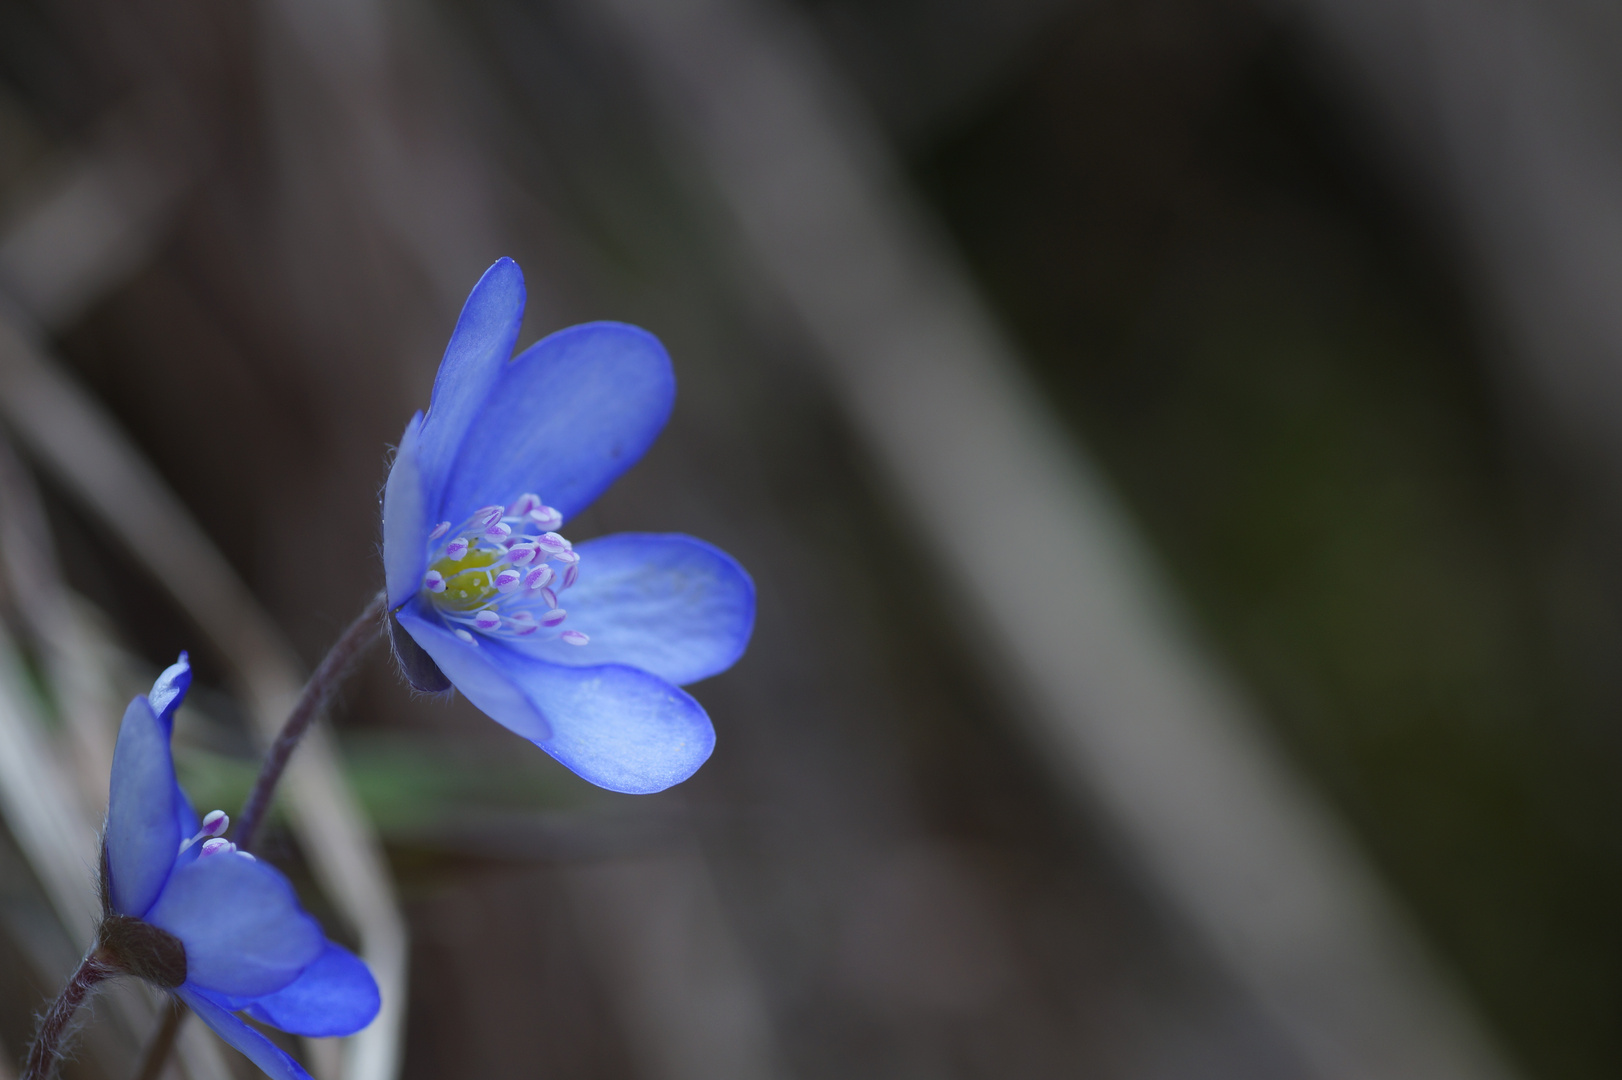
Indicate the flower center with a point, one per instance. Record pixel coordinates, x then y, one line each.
500 574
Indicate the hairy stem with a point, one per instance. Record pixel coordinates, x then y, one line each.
162 1043
360 633
53 1030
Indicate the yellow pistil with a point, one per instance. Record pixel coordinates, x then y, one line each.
469 581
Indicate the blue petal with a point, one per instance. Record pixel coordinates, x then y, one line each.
143 823
405 519
566 417
258 1049
167 693
619 727
471 670
669 604
241 925
170 690
336 995
479 348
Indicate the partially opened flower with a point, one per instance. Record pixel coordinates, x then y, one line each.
217 928
580 649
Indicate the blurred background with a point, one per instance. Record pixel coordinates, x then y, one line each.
1177 443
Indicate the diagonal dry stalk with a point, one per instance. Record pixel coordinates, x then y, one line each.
52 802
77 442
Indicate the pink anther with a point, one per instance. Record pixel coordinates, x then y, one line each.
554 617
498 530
524 505
546 517
465 637
489 515
550 597
456 550
487 620
433 581
440 530
574 637
537 577
217 846
215 822
571 574
552 543
508 580
522 554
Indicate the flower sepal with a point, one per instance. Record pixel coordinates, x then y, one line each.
138 948
414 662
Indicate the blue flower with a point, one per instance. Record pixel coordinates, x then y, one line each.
582 649
212 925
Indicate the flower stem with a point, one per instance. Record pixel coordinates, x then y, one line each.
334 666
163 1041
53 1030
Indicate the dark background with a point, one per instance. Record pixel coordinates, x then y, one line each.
1270 326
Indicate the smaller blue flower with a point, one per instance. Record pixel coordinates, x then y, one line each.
580 649
214 926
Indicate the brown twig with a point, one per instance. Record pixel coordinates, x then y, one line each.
359 634
53 1030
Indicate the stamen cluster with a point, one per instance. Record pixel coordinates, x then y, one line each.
493 574
212 834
